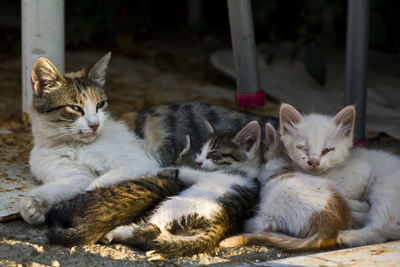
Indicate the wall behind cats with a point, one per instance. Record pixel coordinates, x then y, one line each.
42 36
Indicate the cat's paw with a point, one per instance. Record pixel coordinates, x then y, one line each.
360 237
152 255
33 209
168 173
93 186
120 233
232 241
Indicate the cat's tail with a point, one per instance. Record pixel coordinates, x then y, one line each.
282 241
203 241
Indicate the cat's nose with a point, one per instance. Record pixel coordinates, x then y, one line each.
94 126
313 162
199 164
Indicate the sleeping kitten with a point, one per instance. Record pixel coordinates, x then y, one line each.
78 146
297 211
85 218
164 127
321 145
212 207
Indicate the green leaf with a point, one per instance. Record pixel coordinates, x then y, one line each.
315 63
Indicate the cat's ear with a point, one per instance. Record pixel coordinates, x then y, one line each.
288 118
209 127
187 148
271 136
249 137
45 77
345 120
98 72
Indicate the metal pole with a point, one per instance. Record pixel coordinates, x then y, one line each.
244 53
356 61
42 36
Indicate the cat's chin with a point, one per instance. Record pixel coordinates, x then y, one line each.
87 138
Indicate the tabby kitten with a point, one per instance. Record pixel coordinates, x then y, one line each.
78 146
297 212
320 144
214 206
85 218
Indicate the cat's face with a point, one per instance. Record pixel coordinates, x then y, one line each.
315 142
224 151
72 106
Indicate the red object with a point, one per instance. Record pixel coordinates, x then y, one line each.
250 101
360 142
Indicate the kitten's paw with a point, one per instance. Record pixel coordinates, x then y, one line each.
153 255
168 173
93 186
358 206
361 237
33 209
121 233
233 241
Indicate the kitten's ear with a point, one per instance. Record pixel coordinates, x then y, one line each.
249 137
187 148
271 136
98 72
209 126
288 118
45 77
345 120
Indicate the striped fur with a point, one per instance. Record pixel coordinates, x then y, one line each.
213 207
86 218
165 127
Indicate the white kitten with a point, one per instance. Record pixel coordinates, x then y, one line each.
321 145
297 211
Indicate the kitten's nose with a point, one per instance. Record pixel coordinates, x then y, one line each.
94 126
313 162
199 164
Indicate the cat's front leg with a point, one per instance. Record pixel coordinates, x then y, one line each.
34 206
191 176
119 175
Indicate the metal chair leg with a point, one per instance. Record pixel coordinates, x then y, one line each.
356 62
248 95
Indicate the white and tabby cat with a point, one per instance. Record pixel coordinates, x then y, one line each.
297 211
213 207
78 146
321 145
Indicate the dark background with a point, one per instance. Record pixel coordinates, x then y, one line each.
124 26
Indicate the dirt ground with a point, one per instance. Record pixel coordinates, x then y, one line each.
148 74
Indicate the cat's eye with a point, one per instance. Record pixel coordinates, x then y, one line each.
100 105
77 109
304 148
327 150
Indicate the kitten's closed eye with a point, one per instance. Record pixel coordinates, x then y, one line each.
327 150
304 148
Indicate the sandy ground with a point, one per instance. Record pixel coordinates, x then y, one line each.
148 75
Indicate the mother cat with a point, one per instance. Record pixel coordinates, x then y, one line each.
78 146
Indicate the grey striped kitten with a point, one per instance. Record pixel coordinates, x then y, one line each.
214 206
164 127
